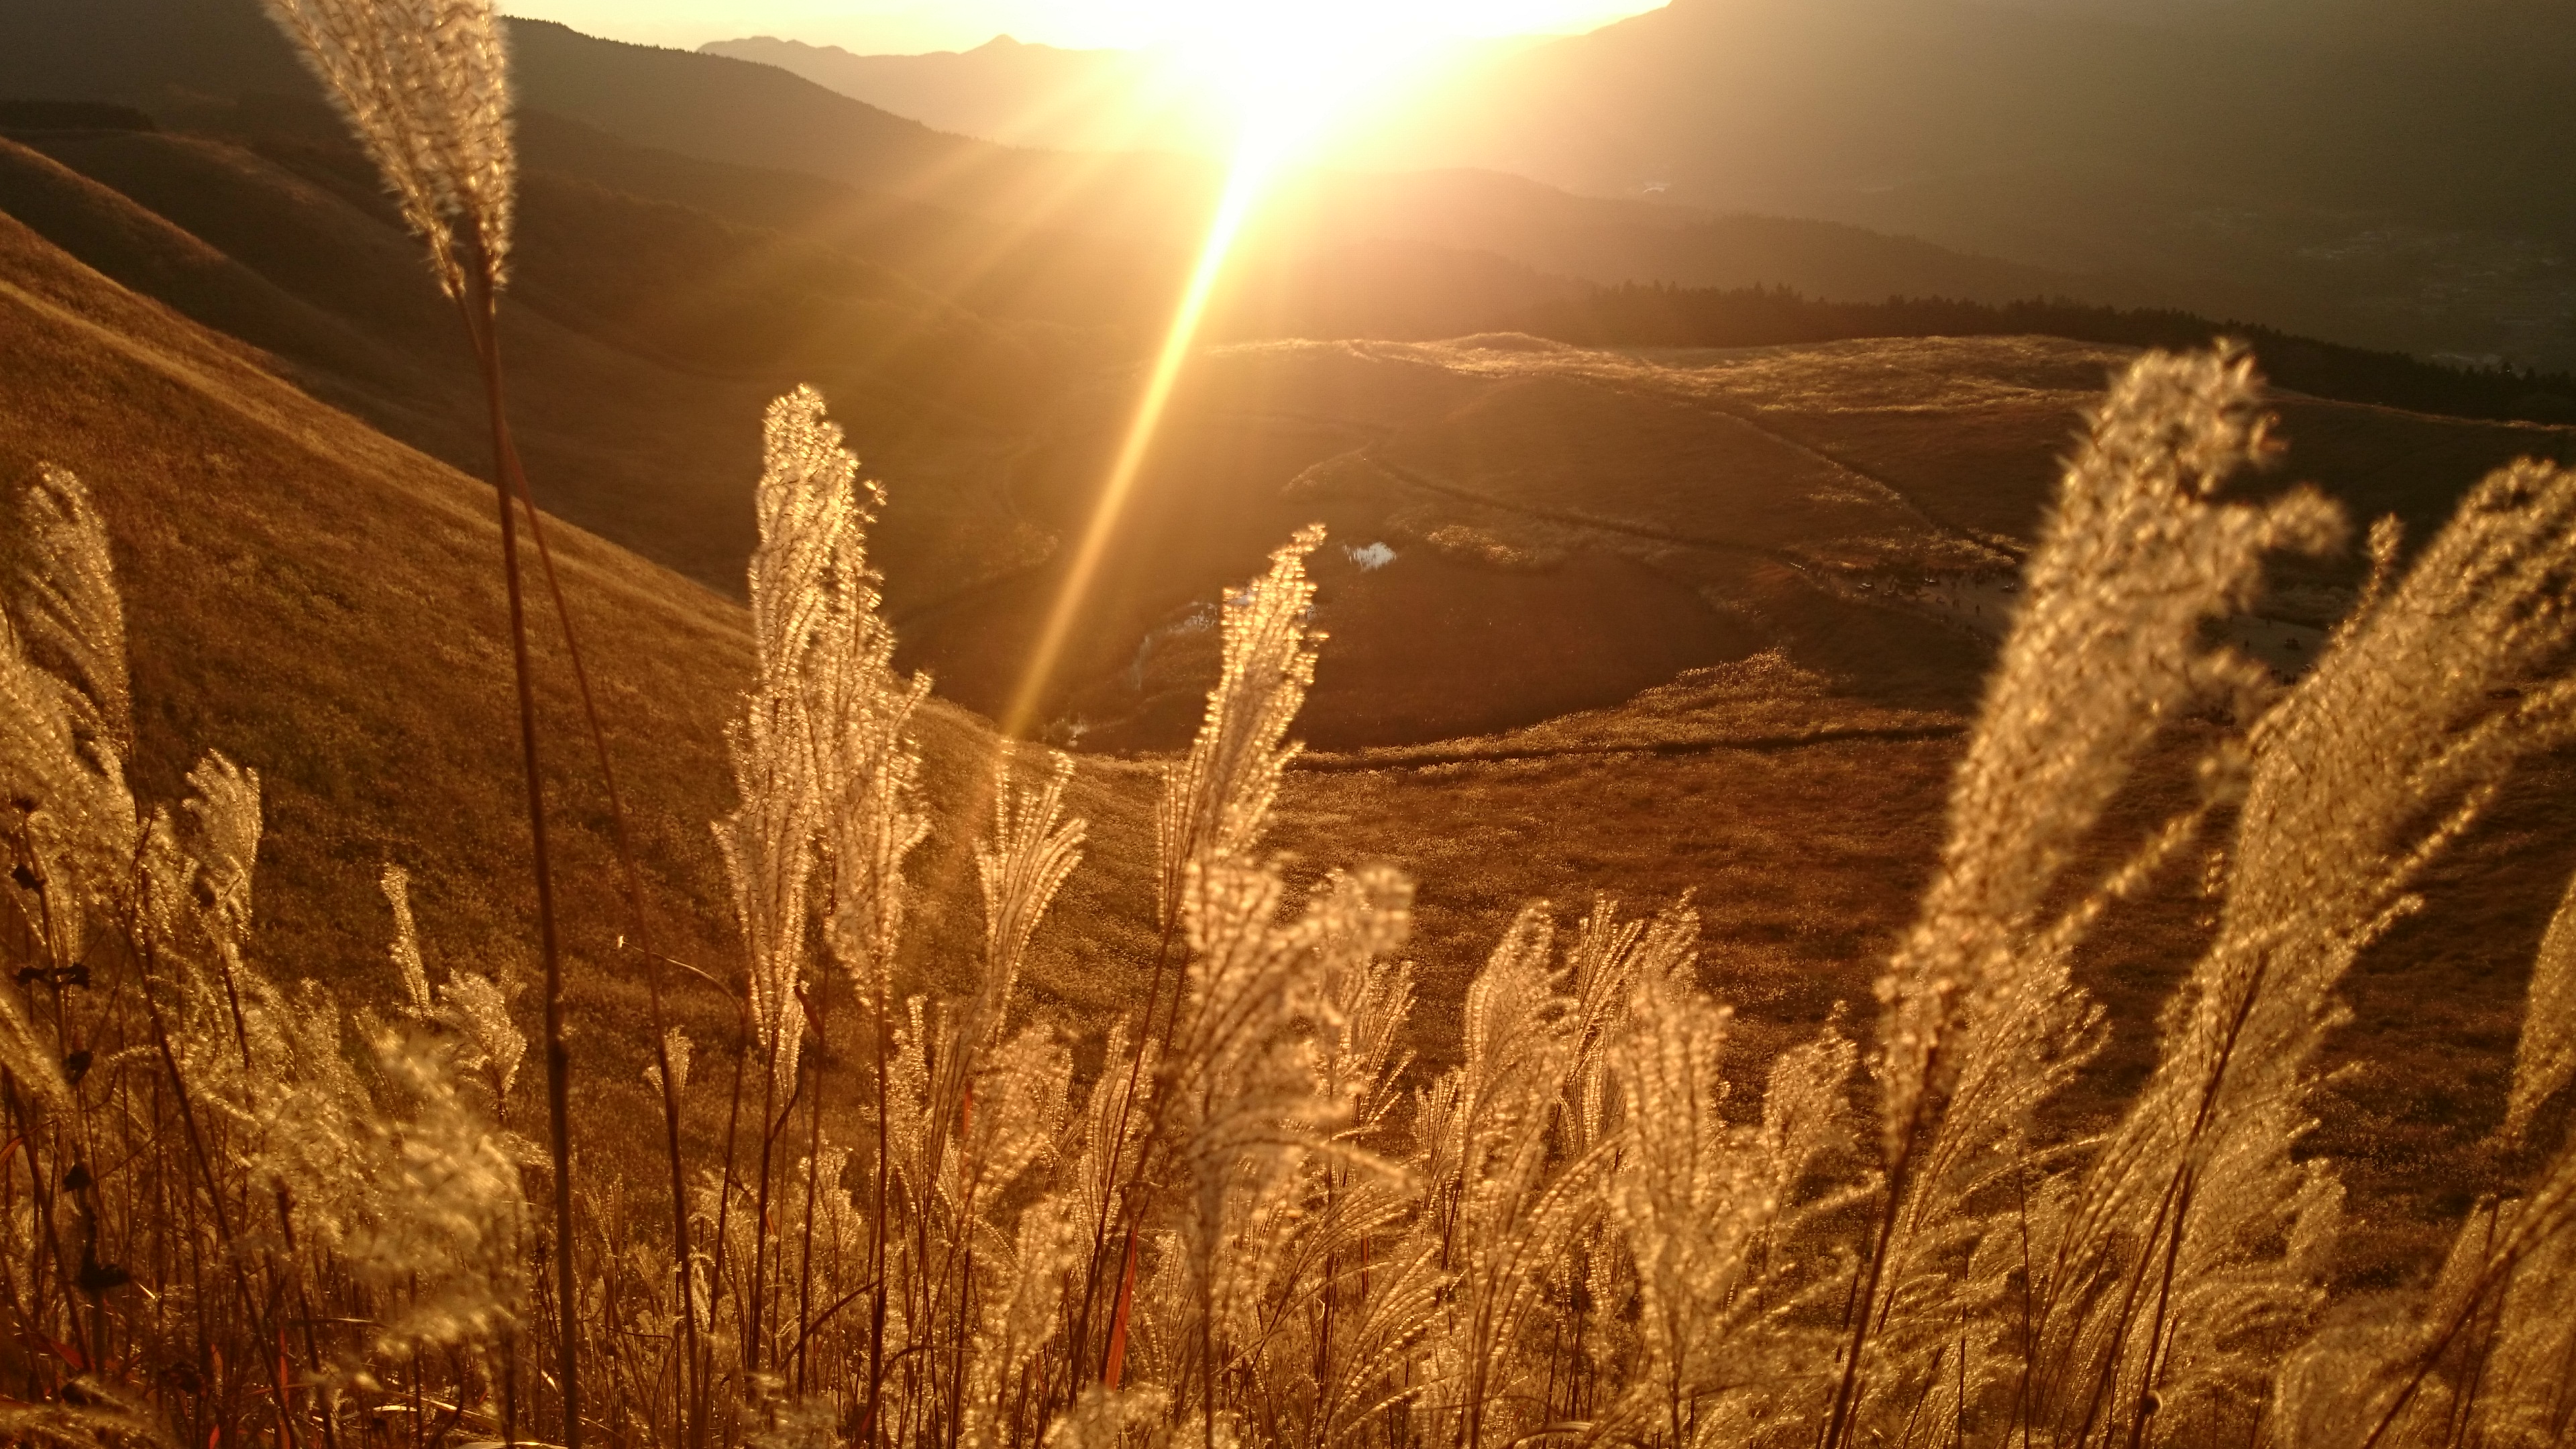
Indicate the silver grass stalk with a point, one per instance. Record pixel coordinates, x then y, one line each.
475 1008
1317 1351
2545 1061
2377 761
790 778
1365 997
824 748
65 718
1244 1105
676 1049
827 679
425 86
65 726
1031 851
1214 809
1702 1206
1021 866
2105 652
998 1277
409 966
1018 1316
1496 1218
787 754
1981 1020
1021 1107
1216 805
225 809
66 602
1103 1133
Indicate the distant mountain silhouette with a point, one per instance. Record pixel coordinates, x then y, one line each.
1016 93
1078 238
2387 173
164 54
2382 172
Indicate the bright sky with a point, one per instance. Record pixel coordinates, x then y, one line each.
905 26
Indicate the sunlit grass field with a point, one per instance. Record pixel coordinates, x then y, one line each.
1796 925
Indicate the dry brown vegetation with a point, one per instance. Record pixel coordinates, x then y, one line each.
1580 1239
939 1202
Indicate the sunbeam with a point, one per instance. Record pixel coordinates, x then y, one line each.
1288 78
1249 179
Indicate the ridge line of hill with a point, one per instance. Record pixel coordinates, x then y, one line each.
1424 757
1710 403
1573 518
263 410
1415 478
1658 315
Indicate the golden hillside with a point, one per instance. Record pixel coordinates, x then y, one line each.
1665 622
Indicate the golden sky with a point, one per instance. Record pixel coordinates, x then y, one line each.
892 26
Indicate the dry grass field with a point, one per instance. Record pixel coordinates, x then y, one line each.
1702 626
1689 656
318 602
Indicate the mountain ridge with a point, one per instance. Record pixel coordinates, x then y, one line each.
1013 92
1079 211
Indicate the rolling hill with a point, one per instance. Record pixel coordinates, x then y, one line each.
654 311
2375 171
1528 528
638 394
2378 172
323 605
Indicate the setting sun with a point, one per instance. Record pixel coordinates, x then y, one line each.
1287 70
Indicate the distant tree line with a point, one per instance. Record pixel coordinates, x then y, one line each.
1660 315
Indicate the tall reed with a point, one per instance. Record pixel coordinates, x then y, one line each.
424 85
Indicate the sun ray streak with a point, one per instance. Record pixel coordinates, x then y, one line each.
1250 175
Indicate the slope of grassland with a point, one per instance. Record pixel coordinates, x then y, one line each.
644 337
323 605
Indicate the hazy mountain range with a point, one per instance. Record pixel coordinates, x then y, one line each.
999 214
2383 173
2370 174
1021 94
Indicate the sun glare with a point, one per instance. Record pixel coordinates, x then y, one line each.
1287 70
